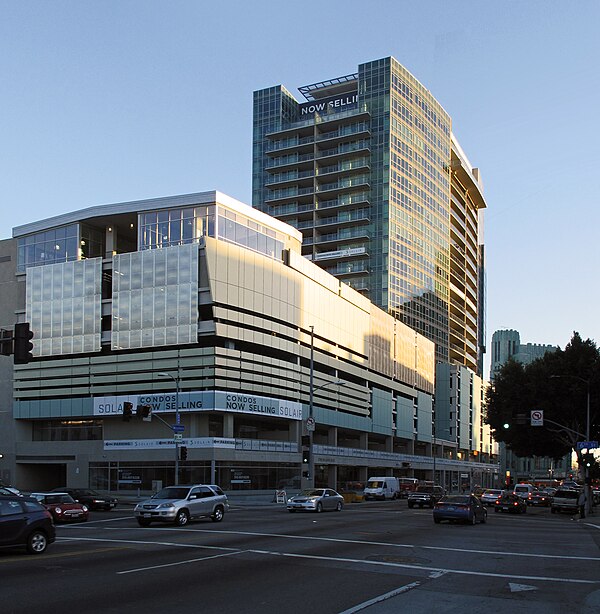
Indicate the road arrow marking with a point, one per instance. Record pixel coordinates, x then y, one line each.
516 588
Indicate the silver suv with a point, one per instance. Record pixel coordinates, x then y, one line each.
180 504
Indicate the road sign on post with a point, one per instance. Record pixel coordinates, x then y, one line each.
537 417
310 424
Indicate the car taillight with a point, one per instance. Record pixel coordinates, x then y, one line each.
516 503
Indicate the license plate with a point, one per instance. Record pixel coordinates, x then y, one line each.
451 509
146 515
504 507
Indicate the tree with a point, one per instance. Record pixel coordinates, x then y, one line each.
557 383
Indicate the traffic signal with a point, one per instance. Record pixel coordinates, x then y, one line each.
305 441
147 413
23 345
127 411
183 452
6 342
305 457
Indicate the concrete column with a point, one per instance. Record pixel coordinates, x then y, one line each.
332 476
294 431
363 442
111 241
228 425
199 425
332 434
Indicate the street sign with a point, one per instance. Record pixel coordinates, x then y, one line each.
177 436
310 424
587 445
178 428
537 417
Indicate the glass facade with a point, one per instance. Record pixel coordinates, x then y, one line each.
48 247
155 298
63 307
368 184
62 244
166 228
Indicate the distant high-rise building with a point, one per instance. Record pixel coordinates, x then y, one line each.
367 168
507 344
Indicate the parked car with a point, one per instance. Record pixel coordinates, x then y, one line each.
538 498
62 506
549 490
180 504
463 508
511 503
25 523
316 500
407 485
491 495
569 484
425 495
8 490
90 498
565 500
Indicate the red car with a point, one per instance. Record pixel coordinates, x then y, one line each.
62 506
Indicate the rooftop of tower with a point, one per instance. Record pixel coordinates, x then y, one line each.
332 87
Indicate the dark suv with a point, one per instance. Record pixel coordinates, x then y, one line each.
425 495
25 523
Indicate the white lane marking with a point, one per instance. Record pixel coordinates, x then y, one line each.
373 543
437 574
339 560
89 522
143 543
517 588
424 568
186 562
366 604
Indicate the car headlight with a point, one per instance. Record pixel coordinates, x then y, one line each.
84 508
165 506
58 510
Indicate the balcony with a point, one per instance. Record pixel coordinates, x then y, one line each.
345 200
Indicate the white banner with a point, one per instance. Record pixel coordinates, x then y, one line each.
208 400
251 445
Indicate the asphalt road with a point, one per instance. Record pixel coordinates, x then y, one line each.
372 557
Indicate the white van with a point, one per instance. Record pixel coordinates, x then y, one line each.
382 488
523 490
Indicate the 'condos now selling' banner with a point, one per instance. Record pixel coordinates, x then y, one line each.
210 400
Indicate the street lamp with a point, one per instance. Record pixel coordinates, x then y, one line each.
587 433
176 380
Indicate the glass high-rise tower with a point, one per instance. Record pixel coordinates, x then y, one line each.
368 169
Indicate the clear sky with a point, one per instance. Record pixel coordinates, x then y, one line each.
104 102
